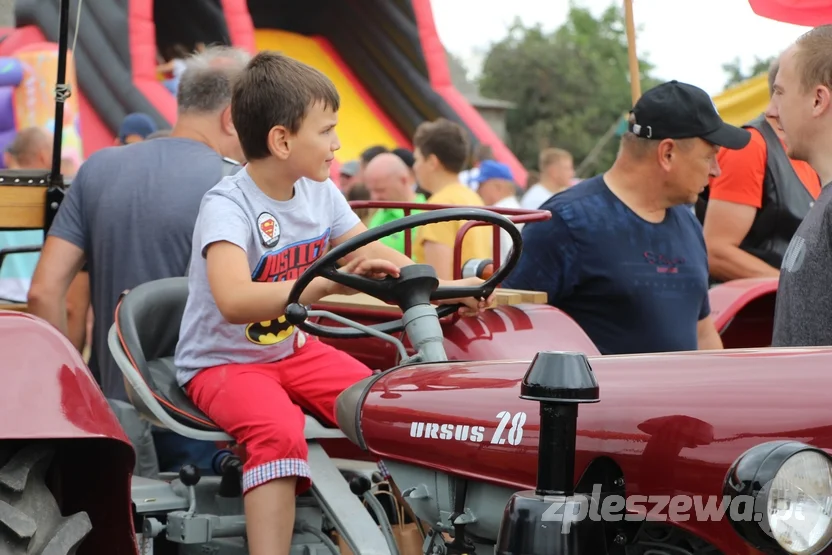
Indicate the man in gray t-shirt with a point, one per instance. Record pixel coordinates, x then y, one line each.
131 210
804 303
801 106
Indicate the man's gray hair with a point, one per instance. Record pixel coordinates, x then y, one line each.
205 85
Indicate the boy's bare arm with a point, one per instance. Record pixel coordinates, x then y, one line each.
376 249
242 301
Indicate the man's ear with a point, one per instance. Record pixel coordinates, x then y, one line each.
433 162
227 122
666 150
279 142
821 101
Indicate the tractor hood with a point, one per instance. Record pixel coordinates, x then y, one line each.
671 422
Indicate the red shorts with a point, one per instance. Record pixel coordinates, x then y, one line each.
259 405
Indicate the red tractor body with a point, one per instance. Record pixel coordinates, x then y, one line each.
50 397
743 313
672 424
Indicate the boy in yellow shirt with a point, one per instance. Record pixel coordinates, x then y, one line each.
440 151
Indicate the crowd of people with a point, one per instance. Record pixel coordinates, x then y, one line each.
242 179
437 172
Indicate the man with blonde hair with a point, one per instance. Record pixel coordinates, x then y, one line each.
750 212
556 173
802 107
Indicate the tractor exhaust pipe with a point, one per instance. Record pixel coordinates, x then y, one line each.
552 519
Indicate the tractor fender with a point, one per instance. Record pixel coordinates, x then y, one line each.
48 391
743 311
50 398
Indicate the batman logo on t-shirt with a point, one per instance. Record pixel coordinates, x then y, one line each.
269 332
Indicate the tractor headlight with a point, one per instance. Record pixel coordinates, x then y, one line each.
789 486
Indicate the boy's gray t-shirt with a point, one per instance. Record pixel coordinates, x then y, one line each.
803 313
281 239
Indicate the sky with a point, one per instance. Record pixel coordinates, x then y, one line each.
684 40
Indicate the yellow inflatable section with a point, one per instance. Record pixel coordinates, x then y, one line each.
744 102
359 123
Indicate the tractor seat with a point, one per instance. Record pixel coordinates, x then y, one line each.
143 342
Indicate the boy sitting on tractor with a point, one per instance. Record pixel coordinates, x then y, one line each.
240 361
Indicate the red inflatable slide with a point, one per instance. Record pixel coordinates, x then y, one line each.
387 53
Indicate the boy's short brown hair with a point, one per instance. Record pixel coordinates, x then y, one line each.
447 140
273 90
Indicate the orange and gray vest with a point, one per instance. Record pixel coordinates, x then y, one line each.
785 202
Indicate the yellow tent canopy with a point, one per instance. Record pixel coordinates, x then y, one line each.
743 102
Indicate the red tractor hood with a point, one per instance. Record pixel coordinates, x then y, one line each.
672 422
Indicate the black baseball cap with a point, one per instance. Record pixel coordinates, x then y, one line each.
675 110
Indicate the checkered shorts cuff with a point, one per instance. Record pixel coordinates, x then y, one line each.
273 470
383 468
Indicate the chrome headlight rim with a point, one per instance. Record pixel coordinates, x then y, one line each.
751 475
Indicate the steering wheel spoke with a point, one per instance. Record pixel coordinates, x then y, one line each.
445 293
380 288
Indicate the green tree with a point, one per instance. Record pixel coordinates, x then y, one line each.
736 74
570 85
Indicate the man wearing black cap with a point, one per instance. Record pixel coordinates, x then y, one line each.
623 254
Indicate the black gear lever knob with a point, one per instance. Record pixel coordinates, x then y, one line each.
360 484
189 475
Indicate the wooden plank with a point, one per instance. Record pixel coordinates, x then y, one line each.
22 207
506 298
529 297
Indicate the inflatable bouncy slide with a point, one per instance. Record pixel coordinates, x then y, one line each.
27 96
384 56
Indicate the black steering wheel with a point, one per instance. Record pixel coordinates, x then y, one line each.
417 283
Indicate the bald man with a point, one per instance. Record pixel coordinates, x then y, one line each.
31 149
388 178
